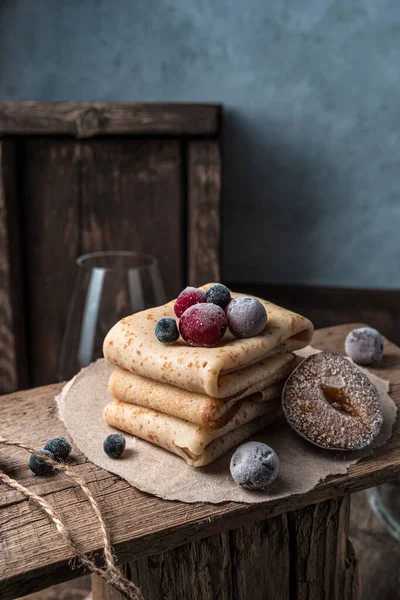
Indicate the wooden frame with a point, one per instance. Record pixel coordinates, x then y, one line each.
74 178
88 119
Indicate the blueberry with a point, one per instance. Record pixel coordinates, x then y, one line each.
247 317
166 330
254 466
40 466
59 447
114 445
218 294
364 345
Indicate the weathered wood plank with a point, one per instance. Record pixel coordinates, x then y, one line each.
12 338
322 564
50 185
304 555
87 119
204 198
260 560
249 562
140 524
132 199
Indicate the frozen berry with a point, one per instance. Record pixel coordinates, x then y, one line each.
254 465
364 345
166 330
203 325
188 297
114 445
218 294
40 466
247 317
59 447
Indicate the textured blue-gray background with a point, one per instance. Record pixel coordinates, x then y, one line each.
312 96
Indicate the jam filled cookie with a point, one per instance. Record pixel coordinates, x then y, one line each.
331 403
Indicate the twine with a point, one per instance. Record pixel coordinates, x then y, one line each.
111 574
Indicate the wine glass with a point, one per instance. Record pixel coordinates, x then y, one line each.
108 287
384 501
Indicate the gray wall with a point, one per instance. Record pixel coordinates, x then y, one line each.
311 89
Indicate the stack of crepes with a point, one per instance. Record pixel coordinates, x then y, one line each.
199 402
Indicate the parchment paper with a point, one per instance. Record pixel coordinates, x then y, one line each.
163 474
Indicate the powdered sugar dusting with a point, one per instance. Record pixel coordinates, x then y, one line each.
364 345
330 402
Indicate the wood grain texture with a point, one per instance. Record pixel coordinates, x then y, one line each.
204 199
322 562
251 562
12 338
87 119
141 525
132 199
8 360
50 195
328 306
303 555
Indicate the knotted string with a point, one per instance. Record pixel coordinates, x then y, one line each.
111 574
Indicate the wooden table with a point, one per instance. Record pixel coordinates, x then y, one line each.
291 548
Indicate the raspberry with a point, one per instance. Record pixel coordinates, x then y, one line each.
246 316
203 325
59 447
188 297
166 330
218 294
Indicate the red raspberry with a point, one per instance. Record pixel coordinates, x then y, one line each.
188 297
203 325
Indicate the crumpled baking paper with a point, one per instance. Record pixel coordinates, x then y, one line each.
156 471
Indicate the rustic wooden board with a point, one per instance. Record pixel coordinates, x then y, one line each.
303 555
86 119
51 244
12 339
140 524
204 197
323 565
132 199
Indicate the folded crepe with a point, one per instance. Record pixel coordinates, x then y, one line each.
199 446
220 372
198 408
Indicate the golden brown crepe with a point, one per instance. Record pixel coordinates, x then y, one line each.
198 445
199 408
220 372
